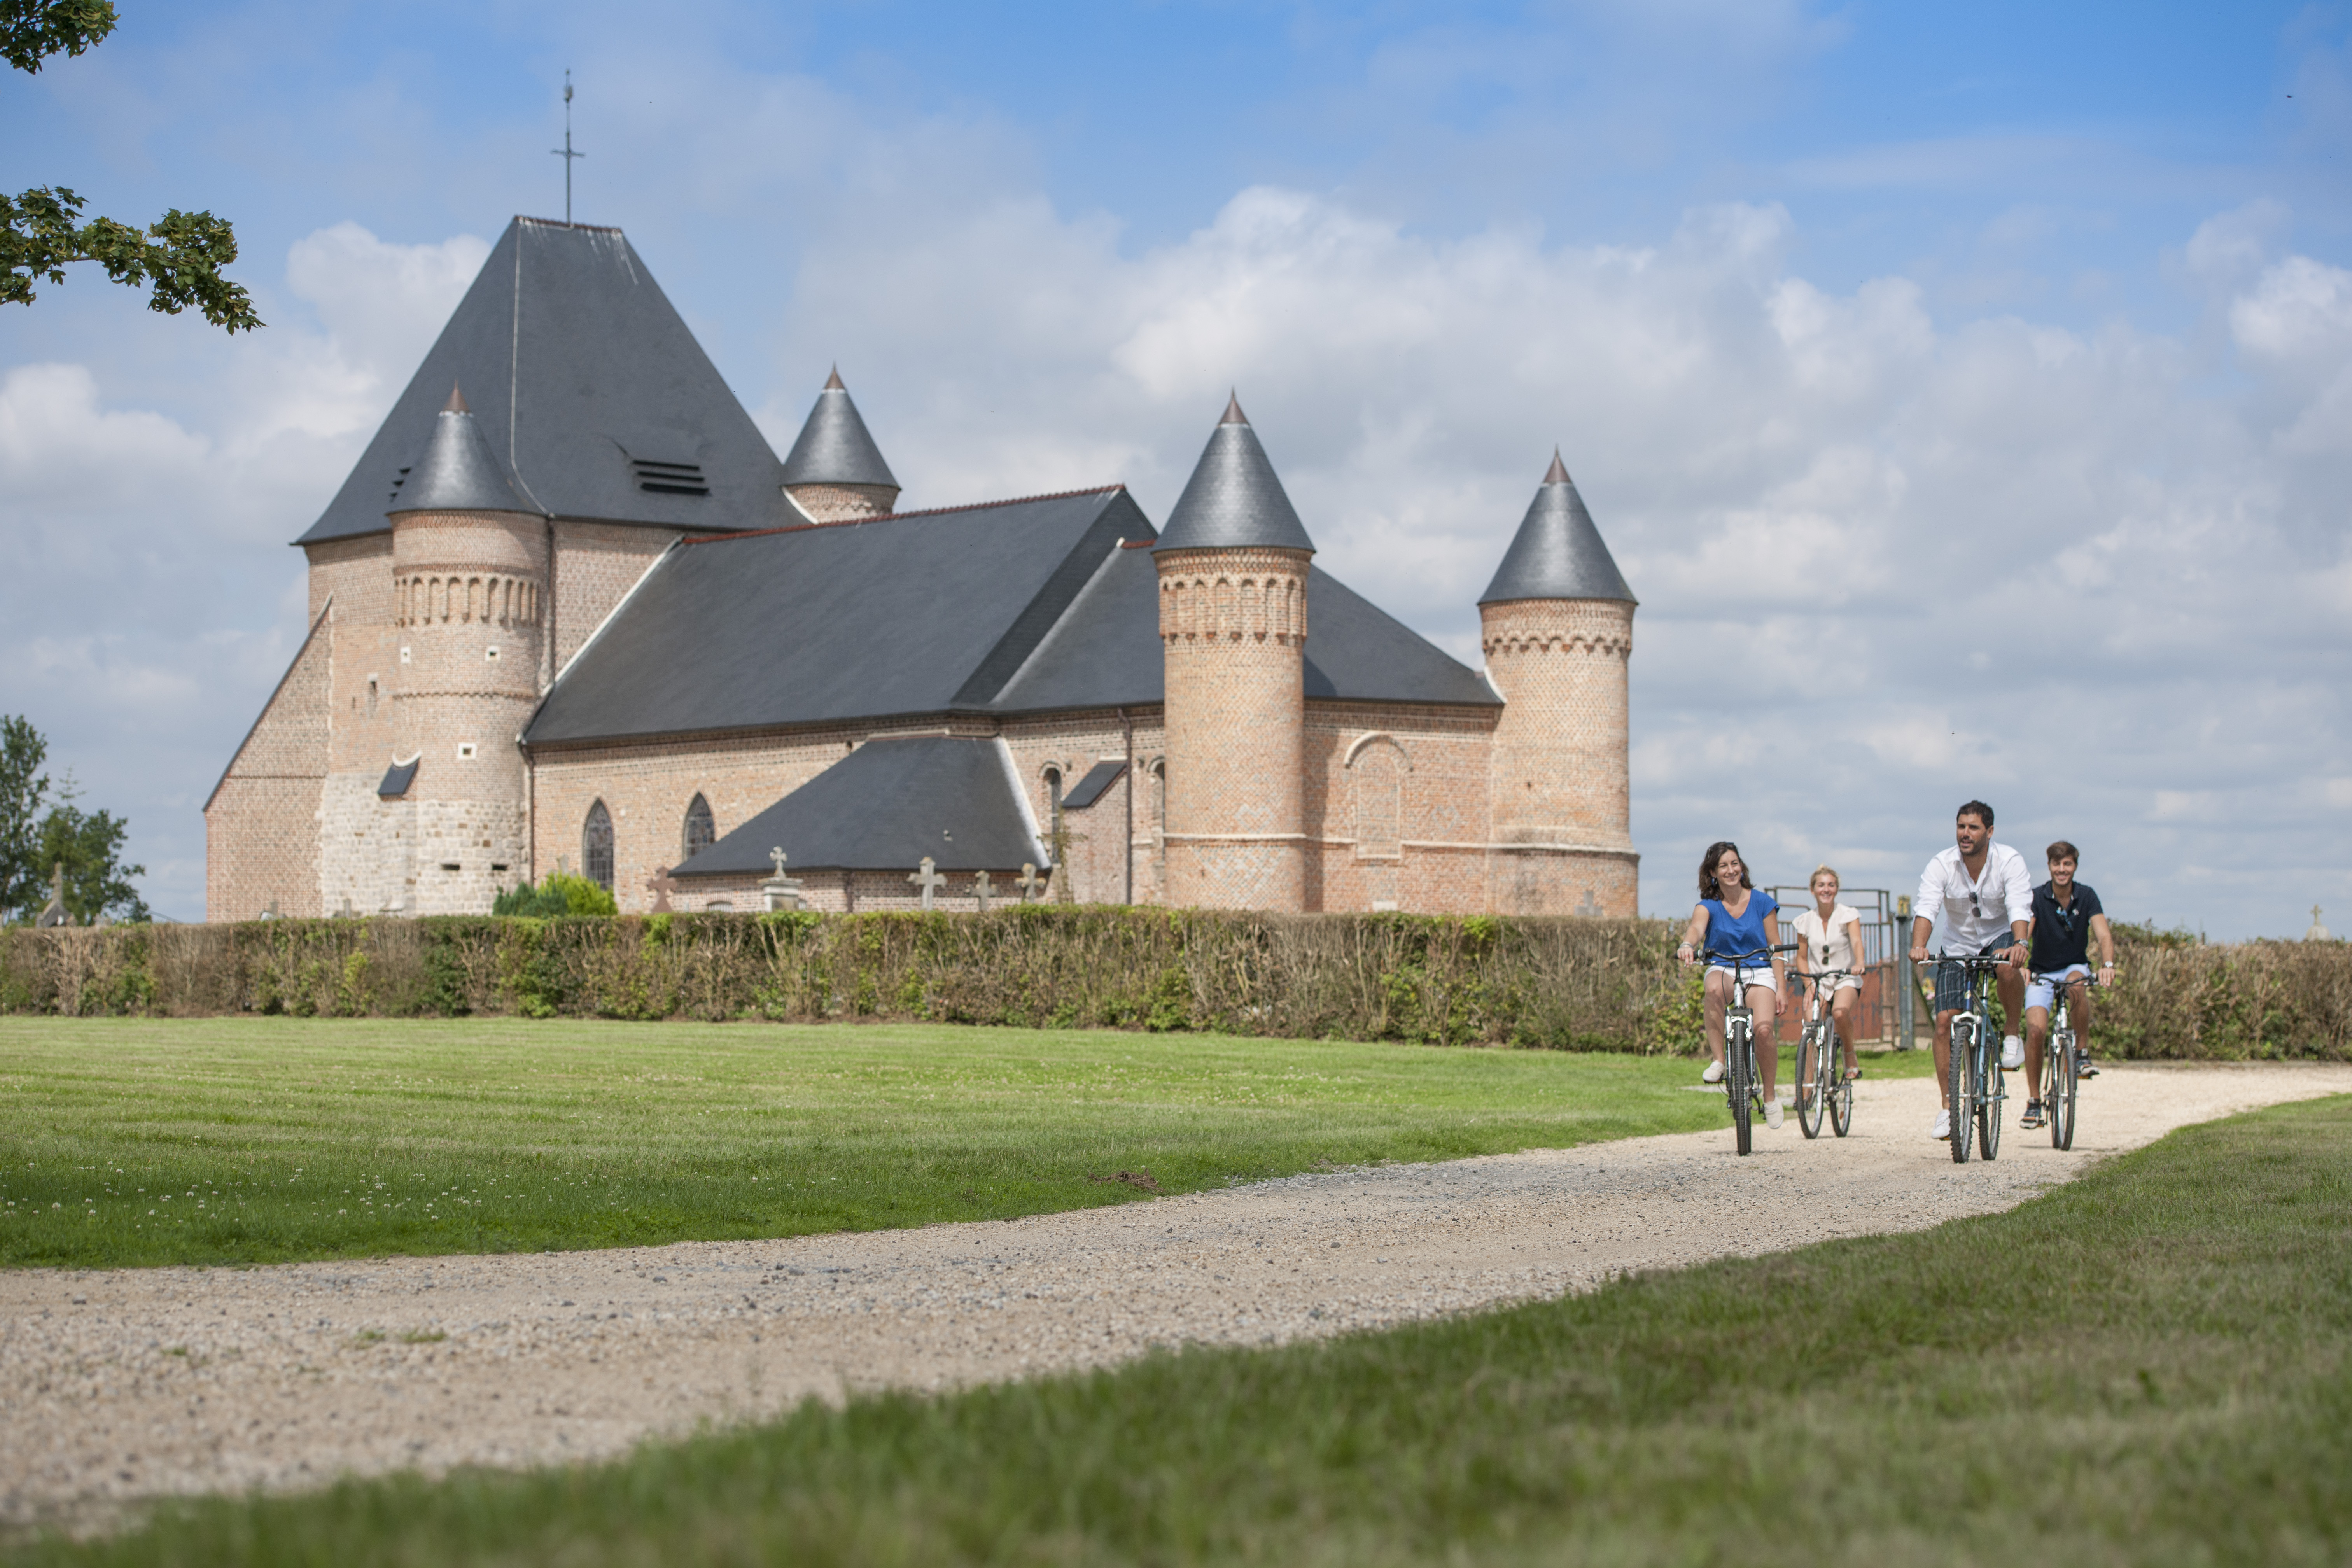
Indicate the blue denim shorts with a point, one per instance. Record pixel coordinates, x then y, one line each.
1952 981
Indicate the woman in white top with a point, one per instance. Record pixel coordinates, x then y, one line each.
1832 933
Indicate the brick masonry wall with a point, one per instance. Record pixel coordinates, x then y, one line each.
1385 784
261 826
597 563
1099 838
647 789
843 503
1560 761
1233 629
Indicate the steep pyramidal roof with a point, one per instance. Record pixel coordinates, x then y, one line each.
456 471
834 446
592 393
1557 554
1233 497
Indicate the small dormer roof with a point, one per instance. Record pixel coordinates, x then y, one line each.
458 471
834 446
1234 500
1557 552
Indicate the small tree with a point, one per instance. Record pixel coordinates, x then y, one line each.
41 829
24 878
88 846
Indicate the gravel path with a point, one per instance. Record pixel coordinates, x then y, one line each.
115 1386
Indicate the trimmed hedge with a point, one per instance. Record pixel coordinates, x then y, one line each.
1572 984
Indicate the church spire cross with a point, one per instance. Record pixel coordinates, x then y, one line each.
565 151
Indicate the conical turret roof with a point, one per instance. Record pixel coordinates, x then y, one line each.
456 471
1557 552
1233 498
836 447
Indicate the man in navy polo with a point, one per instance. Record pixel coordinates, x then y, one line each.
2066 915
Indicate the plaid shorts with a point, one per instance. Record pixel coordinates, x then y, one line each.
1952 981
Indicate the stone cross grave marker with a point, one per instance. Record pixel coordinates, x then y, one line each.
1030 881
347 912
780 892
54 914
660 886
1587 908
927 879
979 890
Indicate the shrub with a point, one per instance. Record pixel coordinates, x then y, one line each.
559 894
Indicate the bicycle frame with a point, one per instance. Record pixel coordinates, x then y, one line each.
1820 1081
1741 1090
1973 1069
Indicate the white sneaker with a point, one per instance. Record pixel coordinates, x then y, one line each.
1772 1117
1944 1122
1714 1073
2012 1054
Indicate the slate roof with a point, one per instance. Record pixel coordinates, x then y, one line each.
885 806
590 390
456 471
1024 606
1233 497
1557 554
834 446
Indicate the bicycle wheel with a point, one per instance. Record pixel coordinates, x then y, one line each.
1738 1081
1812 1081
1963 1059
1992 1098
2059 1089
1841 1092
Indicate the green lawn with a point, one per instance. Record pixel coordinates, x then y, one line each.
2149 1365
242 1140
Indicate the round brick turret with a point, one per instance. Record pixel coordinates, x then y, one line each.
469 591
834 473
1556 627
1232 568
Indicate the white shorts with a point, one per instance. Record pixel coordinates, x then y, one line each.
1755 976
2042 991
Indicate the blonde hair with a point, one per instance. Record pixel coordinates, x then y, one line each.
1834 877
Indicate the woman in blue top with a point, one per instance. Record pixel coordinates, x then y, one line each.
1733 917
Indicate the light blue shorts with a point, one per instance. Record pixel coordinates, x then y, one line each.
2042 991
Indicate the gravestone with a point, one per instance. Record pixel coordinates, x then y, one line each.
1587 908
2317 933
928 880
660 886
979 890
1029 881
780 893
53 914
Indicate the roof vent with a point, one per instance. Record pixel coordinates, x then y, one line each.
670 478
397 480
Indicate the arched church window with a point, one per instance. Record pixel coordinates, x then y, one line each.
701 829
1375 780
596 847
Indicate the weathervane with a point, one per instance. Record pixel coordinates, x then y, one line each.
565 151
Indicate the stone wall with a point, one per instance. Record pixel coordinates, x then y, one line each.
261 826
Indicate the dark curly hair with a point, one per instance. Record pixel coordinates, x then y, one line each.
1707 886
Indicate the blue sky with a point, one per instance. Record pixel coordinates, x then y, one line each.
1965 390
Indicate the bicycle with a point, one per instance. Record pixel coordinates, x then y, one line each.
1740 1084
1818 1056
2063 1065
1977 1086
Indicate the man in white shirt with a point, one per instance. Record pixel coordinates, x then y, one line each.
1986 895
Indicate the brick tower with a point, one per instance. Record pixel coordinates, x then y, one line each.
835 472
1232 628
1557 624
469 590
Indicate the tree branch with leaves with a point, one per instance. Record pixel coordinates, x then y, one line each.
178 258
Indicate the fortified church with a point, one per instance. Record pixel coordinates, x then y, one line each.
572 611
